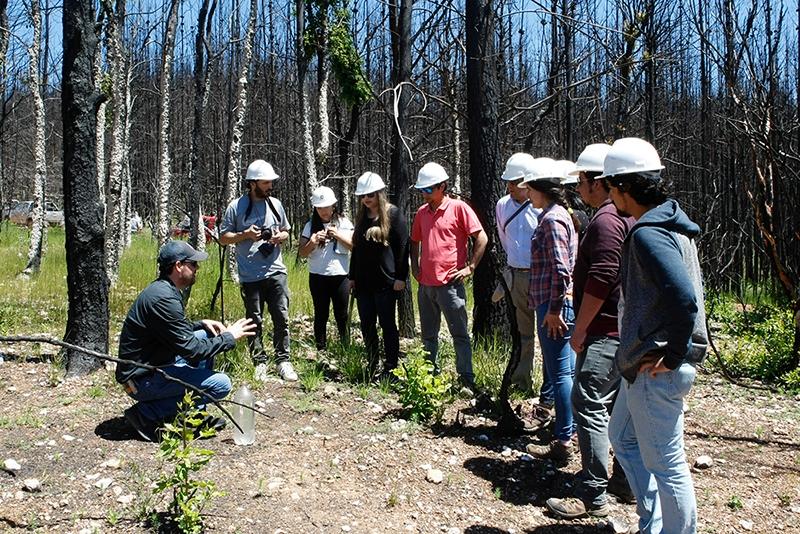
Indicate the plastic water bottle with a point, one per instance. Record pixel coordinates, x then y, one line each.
244 417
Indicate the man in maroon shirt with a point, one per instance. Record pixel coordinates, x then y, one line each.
595 340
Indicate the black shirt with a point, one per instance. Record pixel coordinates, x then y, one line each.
156 330
375 266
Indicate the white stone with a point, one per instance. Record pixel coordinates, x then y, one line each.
32 484
125 499
67 437
505 452
11 465
435 476
113 463
745 524
103 483
703 462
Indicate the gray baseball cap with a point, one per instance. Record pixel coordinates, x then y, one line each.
177 250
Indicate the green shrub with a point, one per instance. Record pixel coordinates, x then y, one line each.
421 393
756 340
178 447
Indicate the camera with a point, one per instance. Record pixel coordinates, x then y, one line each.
266 248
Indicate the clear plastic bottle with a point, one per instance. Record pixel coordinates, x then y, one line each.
244 417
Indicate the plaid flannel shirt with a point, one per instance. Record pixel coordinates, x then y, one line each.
554 247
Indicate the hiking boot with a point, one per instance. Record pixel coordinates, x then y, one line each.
217 424
261 374
572 508
556 451
286 372
146 428
618 487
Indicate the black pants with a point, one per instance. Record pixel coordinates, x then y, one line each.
324 291
374 307
273 292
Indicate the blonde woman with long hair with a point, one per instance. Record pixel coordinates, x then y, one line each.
378 268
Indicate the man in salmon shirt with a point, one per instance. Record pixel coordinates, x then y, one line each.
439 248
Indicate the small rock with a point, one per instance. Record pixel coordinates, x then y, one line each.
335 461
113 463
32 484
117 491
306 430
615 525
329 390
745 524
435 476
525 457
67 437
19 495
274 483
505 452
453 530
703 462
398 425
125 499
295 496
346 528
103 483
483 437
11 465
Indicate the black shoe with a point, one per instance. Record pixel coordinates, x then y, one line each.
618 487
217 424
146 428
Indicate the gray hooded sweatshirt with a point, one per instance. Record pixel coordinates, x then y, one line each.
662 310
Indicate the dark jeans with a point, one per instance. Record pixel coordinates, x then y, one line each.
379 306
593 393
324 291
274 292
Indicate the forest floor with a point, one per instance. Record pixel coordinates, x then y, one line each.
332 461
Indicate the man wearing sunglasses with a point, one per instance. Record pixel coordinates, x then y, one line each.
662 338
439 248
156 332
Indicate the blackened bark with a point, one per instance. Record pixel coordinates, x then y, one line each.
484 159
400 173
87 284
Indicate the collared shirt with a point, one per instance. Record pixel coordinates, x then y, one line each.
156 330
553 250
515 236
444 234
254 266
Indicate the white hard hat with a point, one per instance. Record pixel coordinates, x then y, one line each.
591 159
260 170
429 175
517 166
323 197
631 155
566 167
542 169
369 182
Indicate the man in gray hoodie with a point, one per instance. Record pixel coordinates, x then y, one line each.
662 338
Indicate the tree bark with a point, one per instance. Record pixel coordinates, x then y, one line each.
4 35
87 284
164 98
38 242
400 173
484 159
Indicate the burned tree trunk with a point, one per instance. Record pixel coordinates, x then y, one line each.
87 285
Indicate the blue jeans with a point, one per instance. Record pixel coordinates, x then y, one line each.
559 361
593 393
646 431
450 300
158 397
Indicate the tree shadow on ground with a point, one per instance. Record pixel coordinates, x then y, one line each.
519 482
746 439
544 529
116 429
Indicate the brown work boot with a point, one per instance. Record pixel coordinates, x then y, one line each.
572 508
556 451
618 487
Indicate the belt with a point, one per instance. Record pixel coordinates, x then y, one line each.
130 387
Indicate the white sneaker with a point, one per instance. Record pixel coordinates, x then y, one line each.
286 372
261 373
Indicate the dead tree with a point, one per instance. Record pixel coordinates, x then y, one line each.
38 242
161 223
87 284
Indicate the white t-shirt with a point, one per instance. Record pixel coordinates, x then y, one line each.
333 259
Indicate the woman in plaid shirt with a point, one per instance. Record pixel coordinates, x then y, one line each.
554 247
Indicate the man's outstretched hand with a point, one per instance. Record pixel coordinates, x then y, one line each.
241 328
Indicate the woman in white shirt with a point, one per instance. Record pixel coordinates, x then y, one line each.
326 241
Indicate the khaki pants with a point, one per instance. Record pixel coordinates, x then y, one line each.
526 324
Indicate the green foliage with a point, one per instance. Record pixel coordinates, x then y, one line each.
351 362
421 393
735 503
757 340
178 447
356 90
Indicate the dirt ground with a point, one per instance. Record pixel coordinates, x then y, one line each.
330 461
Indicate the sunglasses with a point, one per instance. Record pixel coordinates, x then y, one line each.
368 195
190 263
427 190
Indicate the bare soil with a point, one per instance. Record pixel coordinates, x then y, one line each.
330 461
